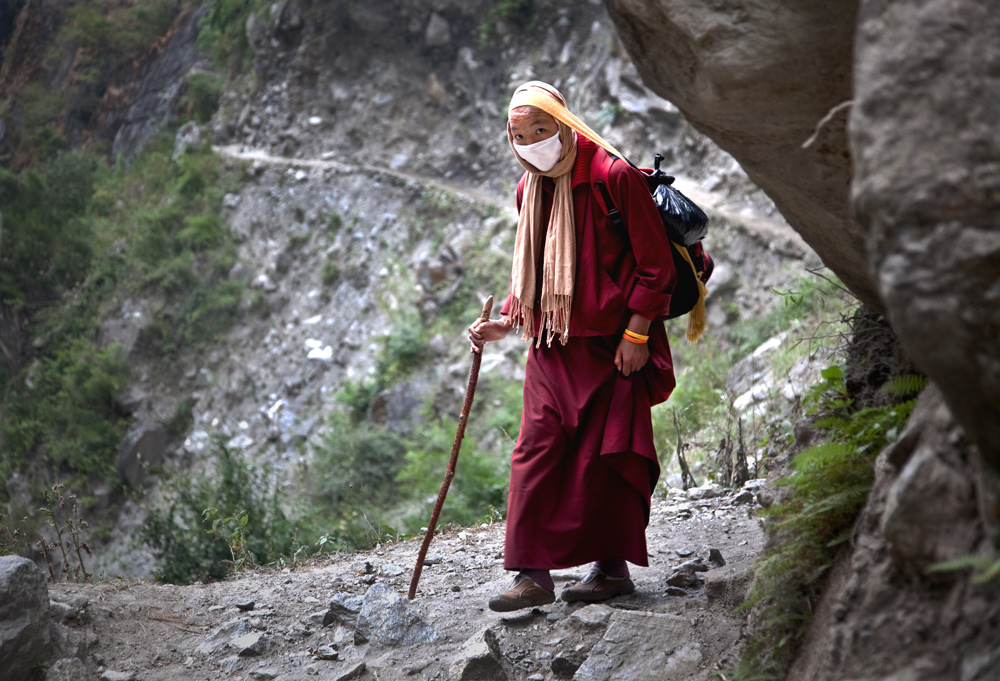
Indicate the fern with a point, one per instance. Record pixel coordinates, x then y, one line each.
820 455
906 384
828 488
986 568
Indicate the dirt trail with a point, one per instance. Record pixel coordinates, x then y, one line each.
772 231
148 632
473 194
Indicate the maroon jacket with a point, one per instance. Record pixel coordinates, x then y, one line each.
616 274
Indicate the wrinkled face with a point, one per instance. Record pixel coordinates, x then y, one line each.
529 125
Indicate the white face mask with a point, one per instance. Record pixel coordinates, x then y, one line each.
543 155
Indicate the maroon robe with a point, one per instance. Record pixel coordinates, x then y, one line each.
584 467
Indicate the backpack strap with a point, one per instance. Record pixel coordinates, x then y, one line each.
600 170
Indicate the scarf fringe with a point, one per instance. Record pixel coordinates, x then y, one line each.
553 323
556 317
521 317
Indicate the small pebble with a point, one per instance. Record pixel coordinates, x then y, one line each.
326 653
246 605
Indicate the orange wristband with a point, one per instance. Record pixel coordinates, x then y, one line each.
634 340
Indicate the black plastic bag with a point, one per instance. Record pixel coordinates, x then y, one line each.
686 223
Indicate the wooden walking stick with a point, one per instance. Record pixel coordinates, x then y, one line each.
477 358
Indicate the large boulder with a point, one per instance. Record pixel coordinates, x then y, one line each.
24 616
762 79
904 209
872 126
386 619
927 187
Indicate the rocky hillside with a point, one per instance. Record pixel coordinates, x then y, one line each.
368 214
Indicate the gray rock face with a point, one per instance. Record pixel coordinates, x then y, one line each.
760 80
919 533
386 619
24 616
155 100
344 609
253 644
219 639
68 669
772 85
643 645
145 445
775 84
926 187
479 659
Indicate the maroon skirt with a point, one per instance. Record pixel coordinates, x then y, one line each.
584 467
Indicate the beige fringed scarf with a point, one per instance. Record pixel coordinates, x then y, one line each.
559 262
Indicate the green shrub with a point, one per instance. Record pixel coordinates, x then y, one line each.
330 273
518 13
357 465
180 532
201 96
333 221
476 492
704 407
46 244
77 240
827 489
63 409
223 30
355 480
401 351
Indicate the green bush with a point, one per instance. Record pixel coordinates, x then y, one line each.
223 30
357 465
77 240
828 487
401 351
201 96
46 244
518 13
704 407
477 491
180 532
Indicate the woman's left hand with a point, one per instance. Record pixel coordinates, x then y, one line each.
631 357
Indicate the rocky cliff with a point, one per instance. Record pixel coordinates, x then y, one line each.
870 125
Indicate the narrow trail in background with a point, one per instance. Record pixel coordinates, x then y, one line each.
472 194
770 230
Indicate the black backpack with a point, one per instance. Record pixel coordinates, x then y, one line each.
686 225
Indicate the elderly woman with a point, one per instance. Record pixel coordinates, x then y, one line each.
584 466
